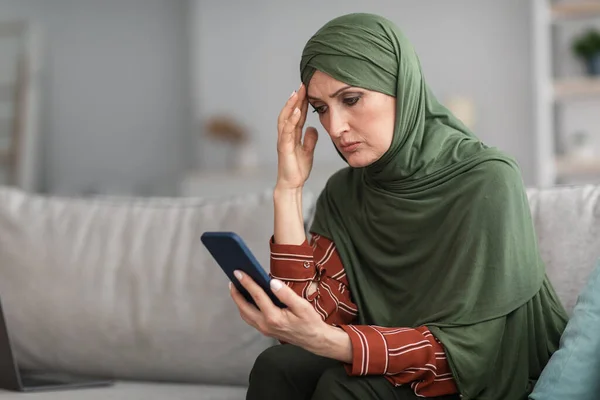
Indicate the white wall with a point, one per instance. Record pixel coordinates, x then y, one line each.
246 57
116 115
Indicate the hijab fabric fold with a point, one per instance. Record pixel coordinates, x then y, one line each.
438 231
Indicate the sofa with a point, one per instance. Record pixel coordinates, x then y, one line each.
123 288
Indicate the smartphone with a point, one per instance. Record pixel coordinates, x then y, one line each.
231 253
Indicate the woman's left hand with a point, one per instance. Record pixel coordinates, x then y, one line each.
299 324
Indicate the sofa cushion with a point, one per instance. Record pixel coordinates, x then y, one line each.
567 221
573 370
137 391
124 287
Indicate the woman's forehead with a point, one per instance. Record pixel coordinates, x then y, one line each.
322 85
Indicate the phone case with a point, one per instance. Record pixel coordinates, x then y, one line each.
231 253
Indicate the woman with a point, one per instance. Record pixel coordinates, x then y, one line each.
423 277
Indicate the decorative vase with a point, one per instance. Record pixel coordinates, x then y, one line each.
247 158
593 65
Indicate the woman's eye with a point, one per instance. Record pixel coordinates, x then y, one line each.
351 100
319 110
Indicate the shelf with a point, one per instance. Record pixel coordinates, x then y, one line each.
576 87
567 167
575 9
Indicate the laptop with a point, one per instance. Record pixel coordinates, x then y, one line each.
16 379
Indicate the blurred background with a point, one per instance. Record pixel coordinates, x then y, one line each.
181 97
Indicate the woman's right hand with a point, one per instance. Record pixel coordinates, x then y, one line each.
295 156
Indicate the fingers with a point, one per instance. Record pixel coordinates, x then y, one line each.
248 312
259 296
290 131
303 101
310 140
295 303
287 109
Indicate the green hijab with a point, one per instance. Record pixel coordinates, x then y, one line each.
438 231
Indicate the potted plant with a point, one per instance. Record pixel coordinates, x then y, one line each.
587 48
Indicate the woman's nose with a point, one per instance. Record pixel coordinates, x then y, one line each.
337 124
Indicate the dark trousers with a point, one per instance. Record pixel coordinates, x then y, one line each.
286 372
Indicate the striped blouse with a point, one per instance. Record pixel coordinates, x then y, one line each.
405 356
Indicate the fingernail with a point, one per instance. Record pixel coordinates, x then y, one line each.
296 110
238 275
300 87
293 93
276 284
230 285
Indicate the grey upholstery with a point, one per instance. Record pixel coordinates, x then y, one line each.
567 221
125 287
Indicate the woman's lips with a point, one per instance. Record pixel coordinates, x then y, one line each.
349 147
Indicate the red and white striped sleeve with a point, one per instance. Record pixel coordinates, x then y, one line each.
331 296
293 264
404 356
315 272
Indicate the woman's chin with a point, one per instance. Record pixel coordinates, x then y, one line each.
357 160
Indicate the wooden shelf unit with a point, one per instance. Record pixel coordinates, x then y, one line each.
576 87
553 93
575 9
567 167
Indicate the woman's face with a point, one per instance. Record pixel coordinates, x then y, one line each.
360 122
